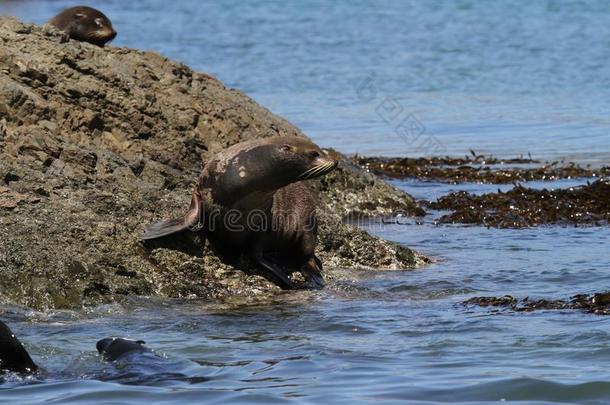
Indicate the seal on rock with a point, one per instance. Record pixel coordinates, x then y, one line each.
85 24
250 199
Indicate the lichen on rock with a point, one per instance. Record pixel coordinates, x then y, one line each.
95 143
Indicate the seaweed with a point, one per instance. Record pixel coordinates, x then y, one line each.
476 169
597 303
525 207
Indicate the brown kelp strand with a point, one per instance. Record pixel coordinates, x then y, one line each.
524 207
476 169
598 303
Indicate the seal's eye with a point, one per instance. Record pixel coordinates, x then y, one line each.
98 22
288 148
314 154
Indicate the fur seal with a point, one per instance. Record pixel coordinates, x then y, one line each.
85 24
250 199
13 356
135 363
113 348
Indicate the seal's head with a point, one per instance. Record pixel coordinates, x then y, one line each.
114 347
302 158
264 165
85 24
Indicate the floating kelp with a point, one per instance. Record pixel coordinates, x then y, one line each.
476 169
523 207
598 303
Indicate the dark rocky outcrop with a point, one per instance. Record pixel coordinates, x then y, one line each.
95 143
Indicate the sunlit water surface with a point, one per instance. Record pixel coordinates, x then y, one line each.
506 78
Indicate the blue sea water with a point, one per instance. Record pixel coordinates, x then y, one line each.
376 77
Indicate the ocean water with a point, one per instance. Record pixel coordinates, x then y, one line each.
374 77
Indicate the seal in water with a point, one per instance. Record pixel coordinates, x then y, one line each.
113 348
85 24
250 200
137 364
13 356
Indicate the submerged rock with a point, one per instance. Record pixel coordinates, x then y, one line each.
97 143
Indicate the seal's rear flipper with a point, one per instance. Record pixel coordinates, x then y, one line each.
192 221
13 356
165 228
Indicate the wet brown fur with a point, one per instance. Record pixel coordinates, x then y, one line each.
259 180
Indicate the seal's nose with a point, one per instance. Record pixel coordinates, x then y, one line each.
328 157
313 154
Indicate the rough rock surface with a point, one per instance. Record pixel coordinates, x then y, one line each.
95 143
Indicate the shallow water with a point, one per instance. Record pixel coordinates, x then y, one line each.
385 336
498 77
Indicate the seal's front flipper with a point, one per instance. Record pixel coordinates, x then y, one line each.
13 356
312 271
192 221
282 279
